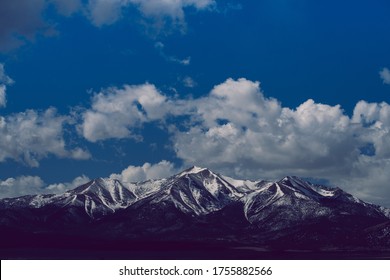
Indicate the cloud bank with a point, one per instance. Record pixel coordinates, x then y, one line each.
236 130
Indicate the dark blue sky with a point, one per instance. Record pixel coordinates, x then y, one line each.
328 51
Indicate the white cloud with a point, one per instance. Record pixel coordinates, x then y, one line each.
31 185
375 121
63 187
236 130
116 111
30 136
145 172
160 47
23 185
368 180
385 75
240 102
79 154
185 61
4 82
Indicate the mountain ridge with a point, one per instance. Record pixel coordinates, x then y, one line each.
198 205
185 187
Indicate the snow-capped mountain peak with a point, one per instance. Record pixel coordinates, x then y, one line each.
298 186
198 203
198 191
192 170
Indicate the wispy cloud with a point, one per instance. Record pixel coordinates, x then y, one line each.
68 7
172 9
385 75
4 82
21 22
160 47
189 82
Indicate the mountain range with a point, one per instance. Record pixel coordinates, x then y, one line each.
194 214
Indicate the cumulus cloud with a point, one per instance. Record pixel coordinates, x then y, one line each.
30 136
368 180
148 171
385 75
31 185
236 130
241 130
115 111
63 187
23 185
375 121
4 82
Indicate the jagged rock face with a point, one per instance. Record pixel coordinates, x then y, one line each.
198 204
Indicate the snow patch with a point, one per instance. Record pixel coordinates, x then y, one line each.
301 196
241 184
192 170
